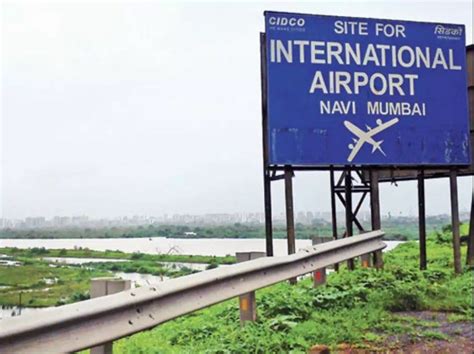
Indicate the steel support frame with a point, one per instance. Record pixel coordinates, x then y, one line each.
344 190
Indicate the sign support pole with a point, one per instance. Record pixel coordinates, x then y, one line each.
348 192
290 220
470 92
374 200
375 205
422 219
470 242
333 210
267 190
455 221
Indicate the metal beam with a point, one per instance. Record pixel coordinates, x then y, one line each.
93 322
359 205
355 189
364 168
354 218
277 177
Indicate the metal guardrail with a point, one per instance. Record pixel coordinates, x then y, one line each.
92 322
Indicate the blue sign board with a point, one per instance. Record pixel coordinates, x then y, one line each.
357 91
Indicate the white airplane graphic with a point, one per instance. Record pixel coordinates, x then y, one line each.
366 137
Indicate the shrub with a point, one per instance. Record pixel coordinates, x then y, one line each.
137 255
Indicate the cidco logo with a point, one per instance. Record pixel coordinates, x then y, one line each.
284 21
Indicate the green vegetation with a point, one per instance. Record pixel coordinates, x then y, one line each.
143 267
358 308
399 228
41 285
364 308
87 253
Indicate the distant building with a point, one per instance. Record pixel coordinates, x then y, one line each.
35 221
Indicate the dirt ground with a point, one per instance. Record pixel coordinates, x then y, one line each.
460 338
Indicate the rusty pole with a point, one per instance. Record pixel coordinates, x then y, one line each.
374 210
267 191
470 92
348 195
248 301
470 241
422 219
375 200
290 219
455 221
333 210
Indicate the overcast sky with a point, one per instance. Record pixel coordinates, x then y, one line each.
148 108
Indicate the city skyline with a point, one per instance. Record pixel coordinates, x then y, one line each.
304 217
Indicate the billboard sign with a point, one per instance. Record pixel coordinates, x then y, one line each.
357 91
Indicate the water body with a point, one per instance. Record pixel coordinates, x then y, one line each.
161 245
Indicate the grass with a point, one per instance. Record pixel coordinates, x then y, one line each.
41 285
143 267
32 280
359 308
70 283
88 253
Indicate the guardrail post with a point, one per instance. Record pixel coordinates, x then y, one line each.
319 275
378 259
103 287
365 261
247 302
